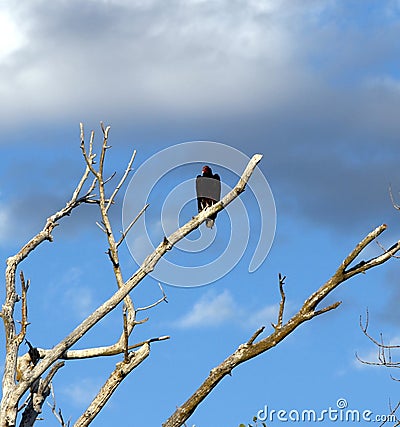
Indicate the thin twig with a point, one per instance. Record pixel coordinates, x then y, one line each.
149 341
364 329
126 335
125 175
255 335
384 249
282 302
328 308
101 227
162 299
124 234
24 308
395 205
110 177
392 413
58 415
384 350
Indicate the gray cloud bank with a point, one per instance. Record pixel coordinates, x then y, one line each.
311 84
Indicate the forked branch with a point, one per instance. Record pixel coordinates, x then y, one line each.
384 355
282 302
253 348
120 372
10 397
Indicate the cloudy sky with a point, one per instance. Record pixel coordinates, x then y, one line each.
313 85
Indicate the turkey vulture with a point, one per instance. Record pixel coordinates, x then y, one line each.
208 189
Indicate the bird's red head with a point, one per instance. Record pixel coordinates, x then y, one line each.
206 169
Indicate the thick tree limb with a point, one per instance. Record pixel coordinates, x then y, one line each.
308 311
121 370
39 394
89 353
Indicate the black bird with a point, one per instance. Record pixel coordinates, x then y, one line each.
33 353
208 189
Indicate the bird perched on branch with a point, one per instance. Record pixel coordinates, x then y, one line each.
33 353
208 189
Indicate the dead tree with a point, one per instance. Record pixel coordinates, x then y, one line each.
22 374
30 375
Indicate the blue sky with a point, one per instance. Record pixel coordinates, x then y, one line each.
313 85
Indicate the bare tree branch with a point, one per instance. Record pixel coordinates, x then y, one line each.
308 311
395 205
154 304
38 396
57 352
282 302
123 179
89 353
255 335
126 335
58 415
24 309
9 400
384 355
392 414
124 233
122 369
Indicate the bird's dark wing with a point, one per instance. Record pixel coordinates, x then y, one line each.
208 188
215 188
199 186
208 192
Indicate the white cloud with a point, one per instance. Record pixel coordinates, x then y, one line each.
394 340
215 309
81 300
81 392
148 56
210 310
263 316
4 224
11 38
385 82
78 297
